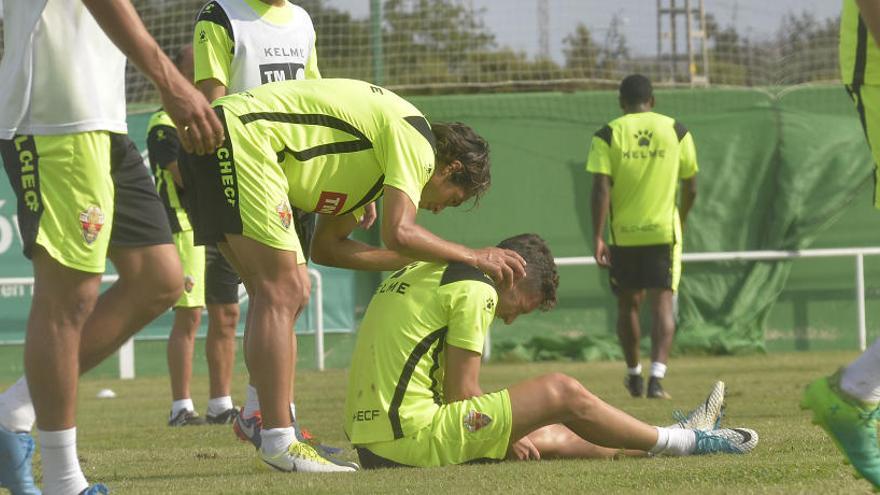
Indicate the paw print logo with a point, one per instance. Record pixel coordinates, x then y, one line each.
644 137
490 304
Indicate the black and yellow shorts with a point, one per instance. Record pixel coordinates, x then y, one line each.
80 193
241 189
645 267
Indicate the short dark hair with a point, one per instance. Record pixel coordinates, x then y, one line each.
541 275
457 141
636 89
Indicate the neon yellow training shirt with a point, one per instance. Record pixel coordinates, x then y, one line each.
395 383
645 154
339 141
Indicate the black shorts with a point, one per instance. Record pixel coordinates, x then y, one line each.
139 217
642 267
221 281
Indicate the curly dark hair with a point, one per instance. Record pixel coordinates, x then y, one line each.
457 141
541 273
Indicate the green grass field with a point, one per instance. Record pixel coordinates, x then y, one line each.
125 444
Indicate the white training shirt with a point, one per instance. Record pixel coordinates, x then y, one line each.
60 73
266 52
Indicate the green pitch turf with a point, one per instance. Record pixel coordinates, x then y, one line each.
125 444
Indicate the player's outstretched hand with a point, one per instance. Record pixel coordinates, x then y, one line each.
369 216
602 254
506 267
524 450
199 129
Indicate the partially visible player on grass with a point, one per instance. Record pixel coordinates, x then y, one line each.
847 403
328 146
414 395
83 195
165 153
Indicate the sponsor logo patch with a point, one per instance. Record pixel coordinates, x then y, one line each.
91 220
189 283
330 203
284 214
475 420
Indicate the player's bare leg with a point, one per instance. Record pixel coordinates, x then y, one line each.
560 399
181 343
558 442
150 281
662 333
62 301
276 297
629 334
220 347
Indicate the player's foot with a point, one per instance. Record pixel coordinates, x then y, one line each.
185 417
226 417
706 416
16 452
726 441
300 457
851 424
635 385
98 489
248 429
655 389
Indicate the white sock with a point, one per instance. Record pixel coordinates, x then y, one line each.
671 441
658 370
861 379
293 411
634 371
61 471
252 404
219 405
179 405
276 440
16 410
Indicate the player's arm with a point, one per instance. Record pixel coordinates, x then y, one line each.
212 89
331 246
599 164
870 10
600 203
462 375
401 233
185 105
688 169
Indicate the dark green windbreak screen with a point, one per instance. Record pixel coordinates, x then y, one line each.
778 169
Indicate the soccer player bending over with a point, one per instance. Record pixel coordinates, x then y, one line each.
414 397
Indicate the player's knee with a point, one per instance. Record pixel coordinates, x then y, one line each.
570 394
283 292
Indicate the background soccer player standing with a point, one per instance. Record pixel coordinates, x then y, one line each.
637 161
83 193
846 403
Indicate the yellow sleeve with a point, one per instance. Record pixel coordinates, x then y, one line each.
471 306
312 71
407 158
212 52
599 159
687 166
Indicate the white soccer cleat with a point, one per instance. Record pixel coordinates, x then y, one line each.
706 416
300 457
726 441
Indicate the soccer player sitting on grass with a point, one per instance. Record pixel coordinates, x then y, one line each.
414 397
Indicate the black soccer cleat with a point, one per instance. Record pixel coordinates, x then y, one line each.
655 390
635 384
224 418
185 417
